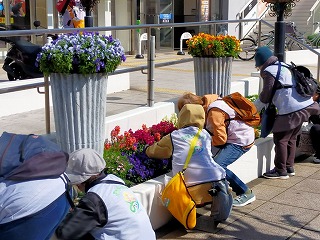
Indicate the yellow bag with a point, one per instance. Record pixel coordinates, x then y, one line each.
178 201
176 197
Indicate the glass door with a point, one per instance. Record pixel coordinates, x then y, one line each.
166 16
158 12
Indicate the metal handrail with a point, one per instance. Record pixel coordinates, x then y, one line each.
38 84
313 11
149 66
114 28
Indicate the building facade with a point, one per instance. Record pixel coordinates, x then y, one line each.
132 12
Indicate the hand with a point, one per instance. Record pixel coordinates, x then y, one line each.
259 105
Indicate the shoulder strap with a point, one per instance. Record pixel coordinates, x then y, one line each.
275 81
192 145
105 181
69 190
111 182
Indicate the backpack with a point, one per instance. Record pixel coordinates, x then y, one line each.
221 201
306 85
245 110
30 157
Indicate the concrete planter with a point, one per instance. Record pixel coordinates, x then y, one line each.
79 106
212 75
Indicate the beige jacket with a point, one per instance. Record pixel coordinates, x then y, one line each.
202 170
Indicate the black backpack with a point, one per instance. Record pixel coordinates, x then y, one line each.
306 85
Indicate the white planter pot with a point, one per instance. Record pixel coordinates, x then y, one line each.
79 107
212 75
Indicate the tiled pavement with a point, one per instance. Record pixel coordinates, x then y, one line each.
284 209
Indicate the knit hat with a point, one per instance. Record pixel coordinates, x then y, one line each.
262 55
83 164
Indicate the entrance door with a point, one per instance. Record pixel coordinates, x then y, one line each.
158 12
166 16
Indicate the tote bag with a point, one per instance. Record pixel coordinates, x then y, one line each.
268 118
179 202
176 198
269 115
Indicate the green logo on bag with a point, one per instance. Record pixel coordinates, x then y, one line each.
166 202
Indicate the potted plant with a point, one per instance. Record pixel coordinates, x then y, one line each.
213 57
78 65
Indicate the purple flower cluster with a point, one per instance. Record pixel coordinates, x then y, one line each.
82 53
145 168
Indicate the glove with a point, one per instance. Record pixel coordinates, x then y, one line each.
259 105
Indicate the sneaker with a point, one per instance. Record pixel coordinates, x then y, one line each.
316 160
244 199
290 171
273 174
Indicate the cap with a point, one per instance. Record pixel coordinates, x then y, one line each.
262 55
83 164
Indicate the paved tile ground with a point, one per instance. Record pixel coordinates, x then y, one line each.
284 209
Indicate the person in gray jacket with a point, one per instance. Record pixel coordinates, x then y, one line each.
109 210
292 110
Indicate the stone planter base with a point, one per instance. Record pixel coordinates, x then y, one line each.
79 106
212 75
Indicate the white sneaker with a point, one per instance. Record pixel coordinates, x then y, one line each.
316 160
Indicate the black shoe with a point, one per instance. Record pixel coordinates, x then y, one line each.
273 174
290 171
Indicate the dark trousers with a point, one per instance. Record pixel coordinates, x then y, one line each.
285 149
315 135
38 226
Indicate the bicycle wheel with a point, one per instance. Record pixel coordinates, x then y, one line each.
293 45
267 39
248 49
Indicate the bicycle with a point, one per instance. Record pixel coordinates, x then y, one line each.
249 44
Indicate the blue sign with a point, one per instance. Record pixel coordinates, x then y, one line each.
166 16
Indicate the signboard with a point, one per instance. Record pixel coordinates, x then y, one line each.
204 10
250 12
186 35
144 37
165 17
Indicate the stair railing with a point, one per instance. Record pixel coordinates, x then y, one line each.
241 15
314 18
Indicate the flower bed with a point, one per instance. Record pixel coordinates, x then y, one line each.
125 157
